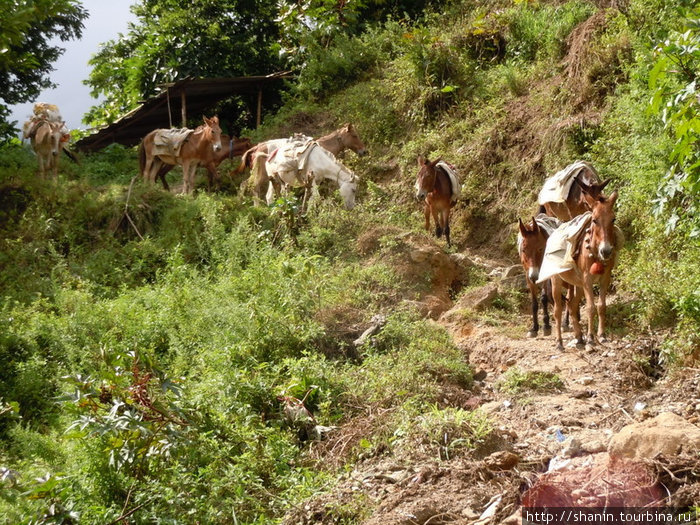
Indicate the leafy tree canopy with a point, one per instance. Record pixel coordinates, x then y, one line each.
172 40
28 33
219 38
676 99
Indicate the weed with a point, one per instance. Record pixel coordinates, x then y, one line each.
516 381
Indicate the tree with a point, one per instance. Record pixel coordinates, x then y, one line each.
173 40
676 99
28 33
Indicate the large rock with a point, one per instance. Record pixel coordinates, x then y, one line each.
667 434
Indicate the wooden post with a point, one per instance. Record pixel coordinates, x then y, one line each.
184 108
257 121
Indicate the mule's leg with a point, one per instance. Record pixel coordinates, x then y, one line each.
446 225
186 167
556 293
590 309
534 307
547 329
426 212
147 168
567 324
54 166
436 218
574 309
602 306
274 190
41 170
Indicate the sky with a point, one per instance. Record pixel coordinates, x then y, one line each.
107 18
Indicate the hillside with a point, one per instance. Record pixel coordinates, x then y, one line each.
176 358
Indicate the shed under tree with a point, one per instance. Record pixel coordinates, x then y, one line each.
177 100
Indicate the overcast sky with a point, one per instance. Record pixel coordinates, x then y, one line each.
107 18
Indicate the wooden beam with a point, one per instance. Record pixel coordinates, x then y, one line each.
183 100
259 116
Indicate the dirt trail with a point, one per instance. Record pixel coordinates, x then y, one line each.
595 394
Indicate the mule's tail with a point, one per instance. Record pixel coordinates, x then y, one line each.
246 161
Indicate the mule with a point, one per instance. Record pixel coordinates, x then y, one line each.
230 147
336 142
307 166
593 255
194 150
532 239
578 179
48 139
439 189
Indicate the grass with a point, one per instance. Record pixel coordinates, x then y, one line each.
516 381
220 309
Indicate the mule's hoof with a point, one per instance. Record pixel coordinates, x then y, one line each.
547 330
576 343
602 339
590 347
560 346
532 333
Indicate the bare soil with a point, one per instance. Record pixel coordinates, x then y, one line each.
618 383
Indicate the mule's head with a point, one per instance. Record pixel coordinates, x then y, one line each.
601 237
351 140
593 189
425 180
347 192
531 244
213 132
59 135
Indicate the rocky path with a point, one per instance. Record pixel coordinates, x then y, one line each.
570 427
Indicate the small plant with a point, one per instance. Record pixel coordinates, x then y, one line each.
515 381
446 432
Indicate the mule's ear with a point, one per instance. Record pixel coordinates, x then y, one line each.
422 161
434 163
605 183
535 226
584 187
523 230
613 197
590 200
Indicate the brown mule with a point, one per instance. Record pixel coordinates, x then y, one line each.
192 152
230 147
595 255
434 187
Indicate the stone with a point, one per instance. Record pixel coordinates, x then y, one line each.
479 299
502 460
667 434
512 271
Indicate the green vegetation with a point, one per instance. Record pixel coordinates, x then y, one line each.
516 381
29 31
148 341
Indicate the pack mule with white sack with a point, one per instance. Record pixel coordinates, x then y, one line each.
304 163
583 252
48 134
562 194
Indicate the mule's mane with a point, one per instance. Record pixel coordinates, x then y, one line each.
341 167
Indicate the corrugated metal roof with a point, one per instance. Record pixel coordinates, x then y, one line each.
165 108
